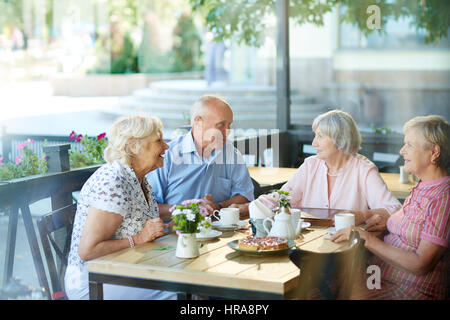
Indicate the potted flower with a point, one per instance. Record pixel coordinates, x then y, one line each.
284 200
189 216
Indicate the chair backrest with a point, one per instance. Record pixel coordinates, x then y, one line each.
317 269
55 231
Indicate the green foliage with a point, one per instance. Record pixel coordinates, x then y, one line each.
186 48
11 13
283 199
92 152
187 218
126 61
26 164
383 130
242 19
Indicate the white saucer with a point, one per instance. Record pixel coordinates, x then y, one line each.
212 234
306 225
219 225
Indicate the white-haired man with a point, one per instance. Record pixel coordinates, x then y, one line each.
202 163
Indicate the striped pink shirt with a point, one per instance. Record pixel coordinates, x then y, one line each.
425 215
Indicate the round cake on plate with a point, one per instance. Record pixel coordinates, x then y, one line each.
262 243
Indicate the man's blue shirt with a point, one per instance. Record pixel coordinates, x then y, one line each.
186 175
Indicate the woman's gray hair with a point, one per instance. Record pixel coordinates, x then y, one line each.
127 134
435 131
341 128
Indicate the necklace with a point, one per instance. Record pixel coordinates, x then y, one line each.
332 175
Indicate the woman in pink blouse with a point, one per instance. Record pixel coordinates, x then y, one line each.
414 256
338 177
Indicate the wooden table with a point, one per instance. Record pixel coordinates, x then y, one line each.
218 271
274 178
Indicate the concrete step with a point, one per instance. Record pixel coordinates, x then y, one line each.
200 87
152 96
253 106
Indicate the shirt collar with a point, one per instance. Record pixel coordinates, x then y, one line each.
188 146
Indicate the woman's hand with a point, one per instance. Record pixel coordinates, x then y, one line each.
376 219
344 234
154 228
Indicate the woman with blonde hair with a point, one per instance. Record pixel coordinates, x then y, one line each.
413 257
116 208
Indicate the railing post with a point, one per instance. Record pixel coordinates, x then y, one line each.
6 146
57 157
58 161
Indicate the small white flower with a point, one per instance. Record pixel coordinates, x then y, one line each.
190 216
177 212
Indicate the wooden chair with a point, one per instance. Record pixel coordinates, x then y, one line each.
319 270
55 231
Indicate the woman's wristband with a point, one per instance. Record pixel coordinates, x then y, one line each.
131 241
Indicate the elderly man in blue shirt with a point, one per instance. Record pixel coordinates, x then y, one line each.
202 163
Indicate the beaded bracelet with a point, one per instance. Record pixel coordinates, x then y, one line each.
131 241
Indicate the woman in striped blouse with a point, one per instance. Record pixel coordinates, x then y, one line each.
414 257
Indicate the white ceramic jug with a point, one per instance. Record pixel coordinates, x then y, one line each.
282 226
187 246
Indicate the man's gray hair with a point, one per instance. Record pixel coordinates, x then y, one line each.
198 108
341 128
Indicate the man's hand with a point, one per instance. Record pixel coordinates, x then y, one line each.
209 200
243 210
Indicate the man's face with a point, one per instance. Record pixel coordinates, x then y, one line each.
215 126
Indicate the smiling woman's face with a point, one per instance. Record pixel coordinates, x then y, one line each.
152 151
417 157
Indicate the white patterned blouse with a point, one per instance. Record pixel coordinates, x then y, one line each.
114 188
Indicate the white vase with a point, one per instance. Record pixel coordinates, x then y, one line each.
187 246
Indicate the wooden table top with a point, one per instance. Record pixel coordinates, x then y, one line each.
218 265
267 176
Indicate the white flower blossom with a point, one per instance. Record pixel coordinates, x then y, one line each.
177 212
190 216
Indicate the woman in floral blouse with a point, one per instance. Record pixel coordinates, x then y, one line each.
116 208
414 257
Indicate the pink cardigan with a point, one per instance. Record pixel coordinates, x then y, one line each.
358 187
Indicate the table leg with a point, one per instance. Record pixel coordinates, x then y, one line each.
184 296
95 290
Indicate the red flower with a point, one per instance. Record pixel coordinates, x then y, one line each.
101 136
72 135
79 137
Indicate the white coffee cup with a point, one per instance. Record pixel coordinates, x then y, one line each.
344 220
295 217
228 216
404 176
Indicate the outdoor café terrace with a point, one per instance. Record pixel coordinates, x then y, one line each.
275 88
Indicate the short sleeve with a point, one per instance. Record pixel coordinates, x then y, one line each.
377 193
241 182
109 193
437 223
